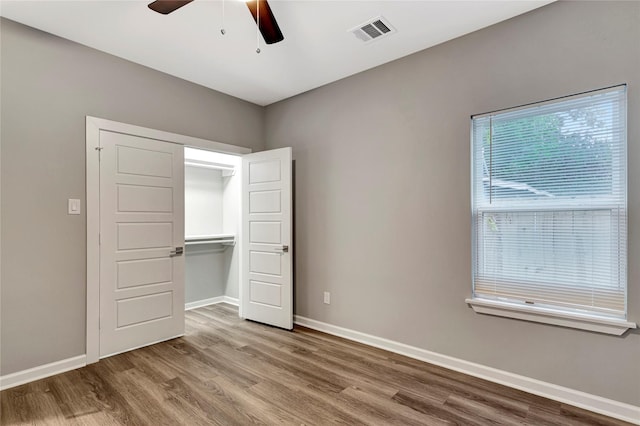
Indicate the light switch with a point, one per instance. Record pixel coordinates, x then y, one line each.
74 206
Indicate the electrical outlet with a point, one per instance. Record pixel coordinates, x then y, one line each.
327 298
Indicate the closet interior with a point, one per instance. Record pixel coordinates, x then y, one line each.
212 224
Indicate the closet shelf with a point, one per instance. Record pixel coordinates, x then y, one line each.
222 239
227 170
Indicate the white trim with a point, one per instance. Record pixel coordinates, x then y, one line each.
93 245
93 127
551 316
130 129
231 301
211 301
41 372
597 404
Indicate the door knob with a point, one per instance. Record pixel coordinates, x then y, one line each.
283 249
176 251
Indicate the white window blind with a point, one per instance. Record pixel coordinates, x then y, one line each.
549 203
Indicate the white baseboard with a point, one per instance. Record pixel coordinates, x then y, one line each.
597 404
231 300
210 301
41 372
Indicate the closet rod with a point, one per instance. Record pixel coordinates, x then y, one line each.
190 243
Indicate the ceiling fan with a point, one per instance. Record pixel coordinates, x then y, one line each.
260 10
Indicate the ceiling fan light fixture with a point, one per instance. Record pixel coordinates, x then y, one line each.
260 10
165 7
266 21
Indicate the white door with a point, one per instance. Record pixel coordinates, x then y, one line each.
141 224
267 244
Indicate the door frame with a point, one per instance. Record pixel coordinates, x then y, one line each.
93 127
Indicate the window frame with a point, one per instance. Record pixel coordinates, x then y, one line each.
542 313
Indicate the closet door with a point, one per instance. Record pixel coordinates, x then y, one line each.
267 244
141 240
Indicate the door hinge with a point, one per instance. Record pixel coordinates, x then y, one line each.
99 238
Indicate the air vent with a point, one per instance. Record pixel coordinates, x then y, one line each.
373 29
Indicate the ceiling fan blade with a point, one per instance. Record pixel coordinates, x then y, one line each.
167 6
268 24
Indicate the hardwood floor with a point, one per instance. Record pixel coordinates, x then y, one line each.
227 371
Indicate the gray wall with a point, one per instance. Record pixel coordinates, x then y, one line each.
205 273
48 87
383 193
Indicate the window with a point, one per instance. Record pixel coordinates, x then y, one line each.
549 203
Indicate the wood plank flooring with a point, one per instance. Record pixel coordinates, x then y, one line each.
227 371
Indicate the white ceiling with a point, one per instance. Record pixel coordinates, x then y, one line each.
317 49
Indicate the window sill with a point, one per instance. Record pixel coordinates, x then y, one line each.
549 316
